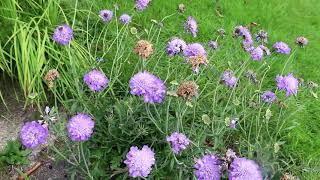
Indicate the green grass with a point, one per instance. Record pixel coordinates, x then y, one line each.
119 116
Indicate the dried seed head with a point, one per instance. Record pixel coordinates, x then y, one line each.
302 41
188 90
143 48
221 32
181 8
288 176
52 75
196 61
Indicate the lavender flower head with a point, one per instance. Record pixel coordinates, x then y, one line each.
176 46
233 123
33 134
244 32
178 142
257 54
195 49
282 48
266 50
213 44
268 97
106 15
96 80
63 34
80 127
149 86
288 83
125 19
229 79
209 167
139 162
244 169
142 4
191 26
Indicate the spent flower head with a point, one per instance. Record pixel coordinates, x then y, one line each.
143 48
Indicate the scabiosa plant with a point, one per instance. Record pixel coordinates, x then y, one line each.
142 4
208 167
268 97
125 19
80 127
143 48
33 134
188 90
282 48
302 41
96 80
288 83
176 46
244 169
149 86
140 162
191 26
229 79
194 49
266 50
256 54
178 142
106 15
262 36
63 34
213 44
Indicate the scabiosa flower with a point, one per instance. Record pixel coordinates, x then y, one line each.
80 127
96 80
176 46
191 26
139 162
281 48
247 43
257 54
266 50
230 155
188 90
63 34
262 36
142 4
244 169
143 48
33 134
288 83
229 79
302 41
233 123
209 167
125 19
213 44
149 86
268 96
194 49
178 142
106 15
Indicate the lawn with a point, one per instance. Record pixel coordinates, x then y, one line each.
281 138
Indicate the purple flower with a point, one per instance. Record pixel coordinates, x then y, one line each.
139 162
191 26
229 79
244 32
195 49
178 142
106 15
96 80
176 46
33 134
149 86
244 169
257 54
233 123
208 168
80 127
142 4
288 83
266 50
281 48
268 96
213 44
63 34
125 19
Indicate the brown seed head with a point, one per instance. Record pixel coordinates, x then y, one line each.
143 48
187 90
52 75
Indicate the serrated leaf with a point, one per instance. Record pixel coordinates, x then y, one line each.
206 119
188 103
268 114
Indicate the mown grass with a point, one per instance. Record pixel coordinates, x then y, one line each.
284 21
